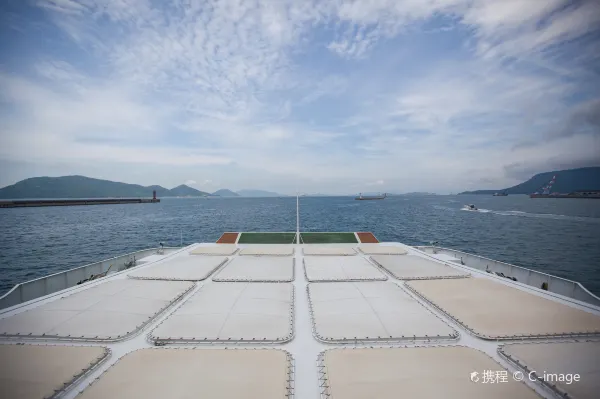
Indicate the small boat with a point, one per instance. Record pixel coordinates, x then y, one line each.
366 198
501 194
470 207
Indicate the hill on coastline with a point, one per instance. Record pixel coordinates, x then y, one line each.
225 193
87 187
246 193
567 181
186 191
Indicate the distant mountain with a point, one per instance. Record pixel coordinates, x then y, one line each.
225 193
416 194
87 187
186 191
160 190
258 193
567 181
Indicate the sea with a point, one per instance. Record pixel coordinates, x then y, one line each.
556 236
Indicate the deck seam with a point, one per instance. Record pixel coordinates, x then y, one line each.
372 309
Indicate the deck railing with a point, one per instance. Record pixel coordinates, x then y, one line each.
557 285
42 286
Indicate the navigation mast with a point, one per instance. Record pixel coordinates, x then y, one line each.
297 218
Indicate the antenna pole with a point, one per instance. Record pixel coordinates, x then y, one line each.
297 218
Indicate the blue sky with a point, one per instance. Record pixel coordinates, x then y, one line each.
316 96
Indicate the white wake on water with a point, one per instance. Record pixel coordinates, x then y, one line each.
524 214
480 210
549 216
537 215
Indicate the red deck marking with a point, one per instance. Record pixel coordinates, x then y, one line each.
228 238
367 238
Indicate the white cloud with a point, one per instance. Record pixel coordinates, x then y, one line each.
70 7
375 183
190 182
281 85
515 28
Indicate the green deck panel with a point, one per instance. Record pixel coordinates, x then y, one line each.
328 238
267 238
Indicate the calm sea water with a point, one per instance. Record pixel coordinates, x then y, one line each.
557 236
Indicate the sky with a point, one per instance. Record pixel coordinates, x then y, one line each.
313 96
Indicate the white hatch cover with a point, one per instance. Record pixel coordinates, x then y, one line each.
268 250
258 268
108 311
325 250
411 267
203 373
219 249
232 312
556 364
186 267
371 311
41 371
418 372
492 310
377 249
340 268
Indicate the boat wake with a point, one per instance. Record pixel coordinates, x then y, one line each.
536 215
548 216
445 208
480 210
524 214
464 208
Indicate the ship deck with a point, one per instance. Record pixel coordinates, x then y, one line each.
310 321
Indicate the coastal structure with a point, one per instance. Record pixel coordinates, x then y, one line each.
77 202
546 192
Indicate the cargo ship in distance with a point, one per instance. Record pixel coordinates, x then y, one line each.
547 193
370 197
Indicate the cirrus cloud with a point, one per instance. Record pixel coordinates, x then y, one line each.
379 91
